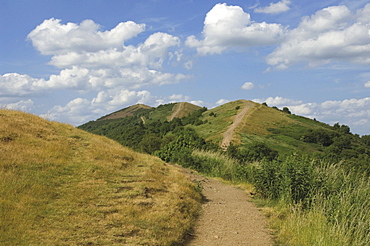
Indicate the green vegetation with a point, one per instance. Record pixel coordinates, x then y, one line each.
315 203
63 186
312 178
60 185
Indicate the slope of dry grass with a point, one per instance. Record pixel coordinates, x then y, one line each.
129 111
182 109
63 186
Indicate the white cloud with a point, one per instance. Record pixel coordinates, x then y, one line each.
331 34
247 86
80 110
53 38
178 98
23 105
96 60
367 84
222 101
229 26
275 8
84 79
278 101
151 53
13 84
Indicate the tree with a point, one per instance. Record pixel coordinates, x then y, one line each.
286 110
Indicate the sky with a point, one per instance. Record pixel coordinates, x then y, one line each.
75 61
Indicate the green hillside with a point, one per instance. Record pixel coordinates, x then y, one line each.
313 177
63 186
279 130
248 126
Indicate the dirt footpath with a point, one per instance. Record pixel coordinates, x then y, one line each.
228 134
229 218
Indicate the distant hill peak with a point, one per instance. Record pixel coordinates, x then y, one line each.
122 113
182 109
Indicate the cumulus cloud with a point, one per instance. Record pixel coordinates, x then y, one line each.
151 53
23 105
80 110
14 84
247 86
367 84
331 34
84 79
94 61
275 8
84 45
229 26
51 37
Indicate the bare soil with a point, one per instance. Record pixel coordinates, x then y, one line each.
228 134
228 217
179 108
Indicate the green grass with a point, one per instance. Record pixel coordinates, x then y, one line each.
218 120
63 186
338 213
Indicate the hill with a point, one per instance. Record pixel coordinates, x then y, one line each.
253 131
163 112
258 123
63 186
129 111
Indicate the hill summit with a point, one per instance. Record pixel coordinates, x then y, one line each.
169 111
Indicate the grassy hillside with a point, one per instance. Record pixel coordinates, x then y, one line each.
261 123
313 177
218 119
255 131
63 186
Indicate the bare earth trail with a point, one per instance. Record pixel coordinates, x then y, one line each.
177 111
228 218
228 134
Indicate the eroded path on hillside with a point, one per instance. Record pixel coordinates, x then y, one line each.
180 106
227 136
228 217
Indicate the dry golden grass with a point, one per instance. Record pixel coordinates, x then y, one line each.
260 118
182 109
63 186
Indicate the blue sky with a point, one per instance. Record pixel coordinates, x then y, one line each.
74 61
